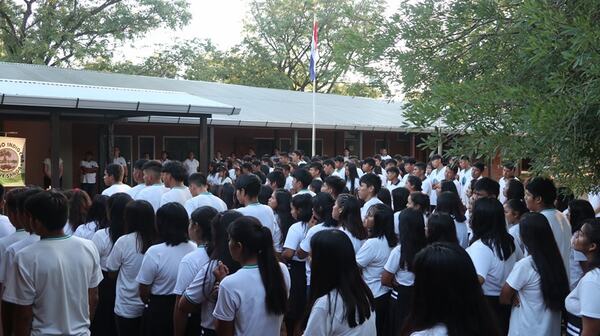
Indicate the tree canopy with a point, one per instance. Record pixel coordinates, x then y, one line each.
58 32
515 78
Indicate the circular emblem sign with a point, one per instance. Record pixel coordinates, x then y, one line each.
9 160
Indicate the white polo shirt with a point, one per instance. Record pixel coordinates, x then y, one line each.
191 166
189 267
88 177
403 277
205 199
115 188
176 194
6 228
372 257
488 266
160 266
152 194
368 204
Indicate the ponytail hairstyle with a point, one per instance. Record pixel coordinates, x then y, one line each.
256 241
79 205
539 240
116 215
412 236
350 216
322 204
202 218
140 218
97 212
441 228
383 223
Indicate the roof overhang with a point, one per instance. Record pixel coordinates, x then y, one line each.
21 93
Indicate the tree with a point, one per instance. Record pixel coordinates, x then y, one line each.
56 32
514 78
353 35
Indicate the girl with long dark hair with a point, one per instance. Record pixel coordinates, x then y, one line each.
514 209
398 270
494 254
280 203
352 179
158 273
537 285
126 259
583 303
448 299
302 211
340 301
373 255
200 233
96 218
400 202
347 212
451 204
104 322
79 205
578 212
202 292
243 306
440 227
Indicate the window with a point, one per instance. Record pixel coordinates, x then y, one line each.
379 144
179 147
285 145
264 146
146 146
352 142
305 145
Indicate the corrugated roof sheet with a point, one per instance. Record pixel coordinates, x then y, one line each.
259 106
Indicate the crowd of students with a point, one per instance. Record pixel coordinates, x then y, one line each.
382 246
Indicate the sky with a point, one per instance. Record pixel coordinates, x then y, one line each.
219 20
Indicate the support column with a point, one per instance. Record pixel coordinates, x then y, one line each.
360 145
55 150
295 140
211 143
413 145
203 150
111 141
276 138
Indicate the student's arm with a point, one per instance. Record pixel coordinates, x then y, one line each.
145 293
301 253
185 306
224 328
287 254
22 320
507 295
387 279
591 326
93 301
179 318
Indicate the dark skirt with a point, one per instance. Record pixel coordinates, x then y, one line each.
207 332
104 319
501 313
298 296
192 328
128 326
382 304
574 326
399 305
158 316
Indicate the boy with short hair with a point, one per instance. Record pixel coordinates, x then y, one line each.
138 177
154 187
173 175
54 283
201 195
369 187
113 178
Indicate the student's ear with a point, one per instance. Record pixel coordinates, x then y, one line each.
371 190
593 247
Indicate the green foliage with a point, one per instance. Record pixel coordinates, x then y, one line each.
57 32
515 78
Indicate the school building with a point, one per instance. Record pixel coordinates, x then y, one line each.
66 112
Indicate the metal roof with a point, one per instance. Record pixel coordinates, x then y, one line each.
262 107
76 96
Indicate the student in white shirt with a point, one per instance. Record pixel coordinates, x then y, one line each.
201 292
540 194
393 181
301 180
248 187
158 274
340 169
104 239
494 254
352 178
436 176
409 166
118 159
125 258
200 232
340 301
373 255
508 173
89 170
222 176
583 303
96 218
191 164
301 210
538 284
173 175
6 227
447 296
399 203
369 187
513 211
256 309
398 270
346 211
280 202
439 228
113 178
579 211
79 205
138 178
154 187
450 203
58 271
201 195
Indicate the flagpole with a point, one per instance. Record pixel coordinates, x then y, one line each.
314 112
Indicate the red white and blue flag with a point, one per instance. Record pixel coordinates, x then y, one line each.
314 52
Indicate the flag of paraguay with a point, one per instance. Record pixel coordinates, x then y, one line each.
314 53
